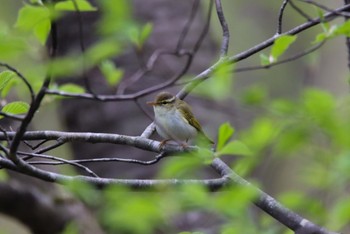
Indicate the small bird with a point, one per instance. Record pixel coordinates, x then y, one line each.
174 119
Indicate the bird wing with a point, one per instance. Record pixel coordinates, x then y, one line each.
189 118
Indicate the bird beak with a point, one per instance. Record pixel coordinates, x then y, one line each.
151 103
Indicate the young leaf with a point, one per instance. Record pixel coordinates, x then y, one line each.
16 108
68 5
71 88
110 72
145 32
5 77
235 148
225 132
280 46
264 60
35 19
42 31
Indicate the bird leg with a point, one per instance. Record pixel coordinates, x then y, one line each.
163 142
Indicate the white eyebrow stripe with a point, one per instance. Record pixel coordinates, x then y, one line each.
171 99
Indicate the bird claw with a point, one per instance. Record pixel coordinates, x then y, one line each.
162 143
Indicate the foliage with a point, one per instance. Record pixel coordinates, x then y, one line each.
311 130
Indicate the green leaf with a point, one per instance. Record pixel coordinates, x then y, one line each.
280 45
68 5
3 176
101 51
220 85
36 19
225 132
112 74
71 88
235 148
16 108
146 32
5 77
139 36
12 47
255 95
264 60
42 31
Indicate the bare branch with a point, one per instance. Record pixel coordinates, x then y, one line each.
89 137
89 171
301 12
347 2
346 14
225 31
97 160
280 16
292 58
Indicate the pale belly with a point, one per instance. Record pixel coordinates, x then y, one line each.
172 126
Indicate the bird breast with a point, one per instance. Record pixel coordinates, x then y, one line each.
170 124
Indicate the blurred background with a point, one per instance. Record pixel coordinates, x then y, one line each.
243 104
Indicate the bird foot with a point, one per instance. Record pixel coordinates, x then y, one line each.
162 143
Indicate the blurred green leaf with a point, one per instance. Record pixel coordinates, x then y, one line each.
339 215
36 19
68 5
102 51
292 139
112 74
319 105
71 88
116 19
71 228
183 166
16 108
235 148
12 47
199 196
283 107
264 59
261 133
3 176
84 191
139 35
225 132
220 85
128 212
280 45
255 95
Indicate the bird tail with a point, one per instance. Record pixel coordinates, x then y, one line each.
205 138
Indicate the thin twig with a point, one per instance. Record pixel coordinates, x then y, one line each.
292 58
34 155
225 31
25 81
347 39
82 45
97 160
300 11
187 26
325 8
280 17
